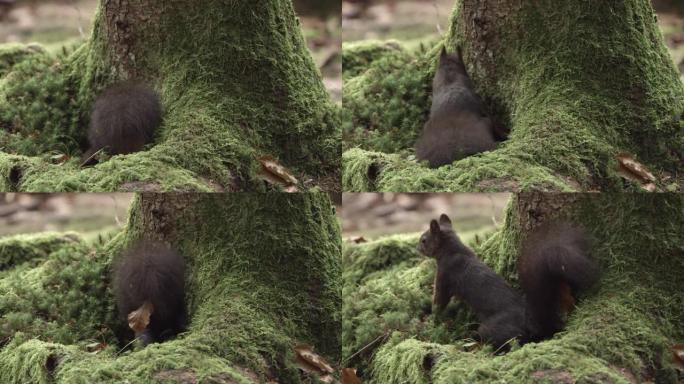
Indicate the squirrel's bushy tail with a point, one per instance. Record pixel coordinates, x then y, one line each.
154 273
554 267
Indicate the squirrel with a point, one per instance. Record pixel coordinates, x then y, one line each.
457 126
150 272
123 120
553 269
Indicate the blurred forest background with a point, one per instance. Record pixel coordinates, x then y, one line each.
367 216
59 23
92 215
422 20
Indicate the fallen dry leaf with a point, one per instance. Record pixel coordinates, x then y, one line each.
139 319
59 158
678 356
311 362
349 376
632 170
95 347
358 240
275 173
291 189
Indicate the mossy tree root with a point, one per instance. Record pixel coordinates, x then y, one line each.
263 276
577 83
620 332
237 82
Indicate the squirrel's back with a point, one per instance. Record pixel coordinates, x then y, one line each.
124 119
457 126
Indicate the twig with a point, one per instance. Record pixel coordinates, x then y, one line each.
127 345
80 26
384 335
91 157
439 27
116 211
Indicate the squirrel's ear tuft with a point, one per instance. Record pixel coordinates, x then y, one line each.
443 53
444 221
434 227
459 53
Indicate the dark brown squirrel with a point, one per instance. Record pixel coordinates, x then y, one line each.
154 273
123 120
457 126
553 269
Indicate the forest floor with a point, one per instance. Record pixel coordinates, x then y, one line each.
367 216
59 23
408 20
89 214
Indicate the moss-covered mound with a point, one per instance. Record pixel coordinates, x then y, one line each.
620 333
237 86
583 84
263 276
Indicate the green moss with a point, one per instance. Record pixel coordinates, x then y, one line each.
263 276
37 107
385 103
572 89
43 265
13 53
487 172
623 328
218 116
19 249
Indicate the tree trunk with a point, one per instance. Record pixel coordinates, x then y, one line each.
236 81
262 276
621 332
576 82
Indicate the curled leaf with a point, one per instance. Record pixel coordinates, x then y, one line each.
139 319
678 356
631 169
348 376
94 348
275 173
311 362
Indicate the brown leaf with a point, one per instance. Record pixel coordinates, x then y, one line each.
95 347
59 158
311 362
358 240
349 376
275 173
633 170
139 319
678 356
291 189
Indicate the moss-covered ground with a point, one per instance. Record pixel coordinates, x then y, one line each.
572 89
263 276
218 117
619 333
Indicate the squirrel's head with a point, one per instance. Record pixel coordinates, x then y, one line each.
439 232
450 69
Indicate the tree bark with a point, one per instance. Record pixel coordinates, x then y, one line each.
262 276
236 80
620 332
578 83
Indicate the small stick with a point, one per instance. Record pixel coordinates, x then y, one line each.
91 157
126 346
439 27
384 335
